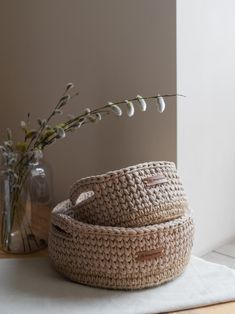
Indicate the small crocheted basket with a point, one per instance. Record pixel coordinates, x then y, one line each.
118 257
148 193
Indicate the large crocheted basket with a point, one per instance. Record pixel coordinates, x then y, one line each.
148 193
118 257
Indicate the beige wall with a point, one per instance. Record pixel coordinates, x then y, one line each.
206 128
110 50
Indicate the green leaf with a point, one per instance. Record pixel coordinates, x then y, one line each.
30 134
49 132
61 125
21 146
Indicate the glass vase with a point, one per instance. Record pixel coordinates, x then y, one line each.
26 202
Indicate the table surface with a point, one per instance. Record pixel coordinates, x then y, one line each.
225 308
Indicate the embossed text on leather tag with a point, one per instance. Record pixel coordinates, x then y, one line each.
154 180
148 255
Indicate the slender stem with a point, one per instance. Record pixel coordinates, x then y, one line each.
119 103
41 129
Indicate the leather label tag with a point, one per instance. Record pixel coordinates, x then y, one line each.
148 255
154 180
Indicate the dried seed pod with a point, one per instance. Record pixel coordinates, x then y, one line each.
79 125
160 103
23 125
8 144
60 133
130 108
69 86
116 109
142 102
63 101
87 111
98 115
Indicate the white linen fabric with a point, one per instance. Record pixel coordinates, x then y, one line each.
32 286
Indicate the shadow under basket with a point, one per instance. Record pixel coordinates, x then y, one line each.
118 257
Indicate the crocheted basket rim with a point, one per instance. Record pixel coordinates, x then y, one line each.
66 215
122 171
143 194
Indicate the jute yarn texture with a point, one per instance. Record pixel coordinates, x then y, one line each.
118 257
126 229
140 195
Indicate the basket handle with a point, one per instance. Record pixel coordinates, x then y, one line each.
79 187
62 225
85 185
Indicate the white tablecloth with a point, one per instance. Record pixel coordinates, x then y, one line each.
31 286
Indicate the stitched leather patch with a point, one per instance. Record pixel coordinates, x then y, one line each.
148 255
154 180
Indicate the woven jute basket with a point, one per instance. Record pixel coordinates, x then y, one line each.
148 193
118 257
